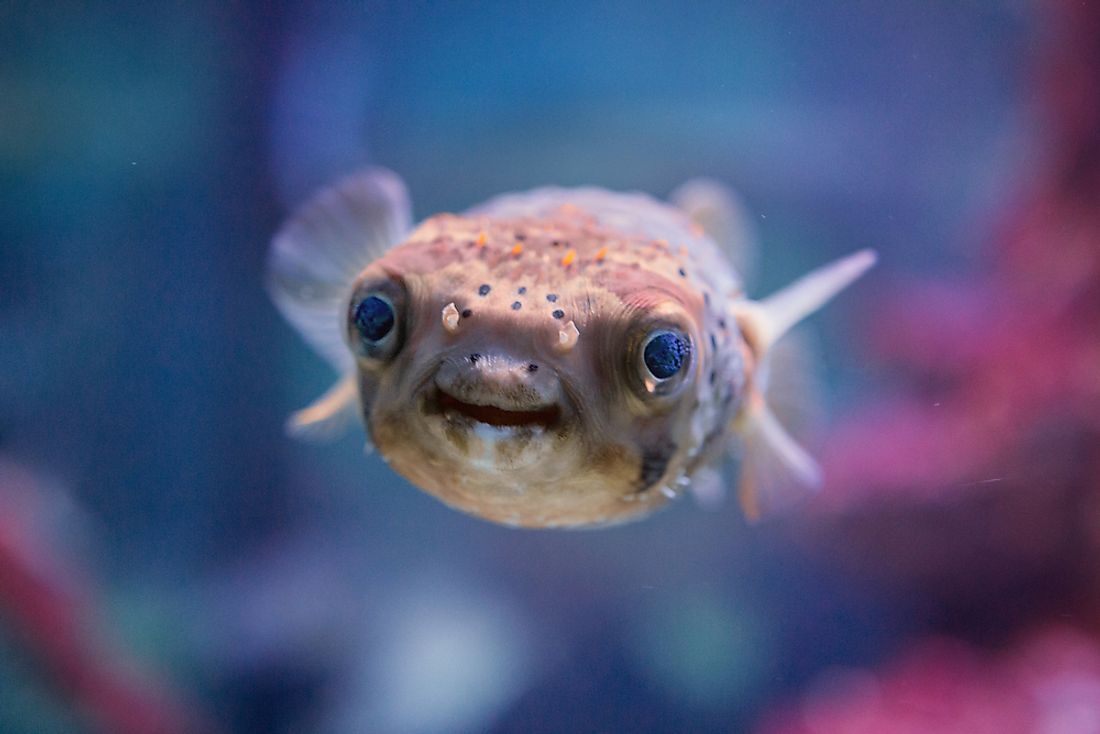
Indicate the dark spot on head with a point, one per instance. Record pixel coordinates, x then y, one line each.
706 298
558 313
516 305
655 463
713 342
713 376
552 297
722 324
522 290
555 243
483 290
467 313
475 357
682 272
521 236
532 367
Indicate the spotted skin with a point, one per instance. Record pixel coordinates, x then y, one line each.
606 264
512 381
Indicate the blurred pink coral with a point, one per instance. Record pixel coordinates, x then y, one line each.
999 364
978 480
1049 684
54 621
979 484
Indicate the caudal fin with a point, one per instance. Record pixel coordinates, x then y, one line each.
769 319
775 468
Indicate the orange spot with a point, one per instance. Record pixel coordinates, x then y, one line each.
601 254
482 238
567 208
569 258
517 248
697 230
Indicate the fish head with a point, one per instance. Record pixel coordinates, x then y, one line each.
525 393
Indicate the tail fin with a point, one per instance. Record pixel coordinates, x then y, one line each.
774 466
768 320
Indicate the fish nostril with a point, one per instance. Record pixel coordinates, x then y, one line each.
475 357
532 367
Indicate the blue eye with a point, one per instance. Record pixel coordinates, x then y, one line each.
666 353
374 318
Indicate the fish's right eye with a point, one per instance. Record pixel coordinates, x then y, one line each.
374 323
374 318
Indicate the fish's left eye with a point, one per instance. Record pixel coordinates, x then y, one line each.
665 354
665 357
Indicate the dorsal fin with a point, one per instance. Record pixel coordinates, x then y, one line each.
324 246
720 212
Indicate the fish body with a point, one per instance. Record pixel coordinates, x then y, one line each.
553 358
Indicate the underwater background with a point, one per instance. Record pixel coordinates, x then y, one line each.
170 561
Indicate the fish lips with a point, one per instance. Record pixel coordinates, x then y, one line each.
545 416
497 390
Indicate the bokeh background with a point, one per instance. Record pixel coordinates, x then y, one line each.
170 561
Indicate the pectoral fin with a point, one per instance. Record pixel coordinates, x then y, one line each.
323 247
328 416
708 487
775 470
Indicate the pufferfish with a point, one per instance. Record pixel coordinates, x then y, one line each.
554 358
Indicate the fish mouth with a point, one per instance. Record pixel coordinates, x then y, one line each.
545 417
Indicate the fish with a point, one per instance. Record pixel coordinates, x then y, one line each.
560 357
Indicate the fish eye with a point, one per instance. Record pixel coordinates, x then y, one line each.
374 318
374 322
665 358
665 354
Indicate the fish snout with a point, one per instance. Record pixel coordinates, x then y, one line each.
499 380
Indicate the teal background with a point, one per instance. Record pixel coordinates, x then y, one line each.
148 152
